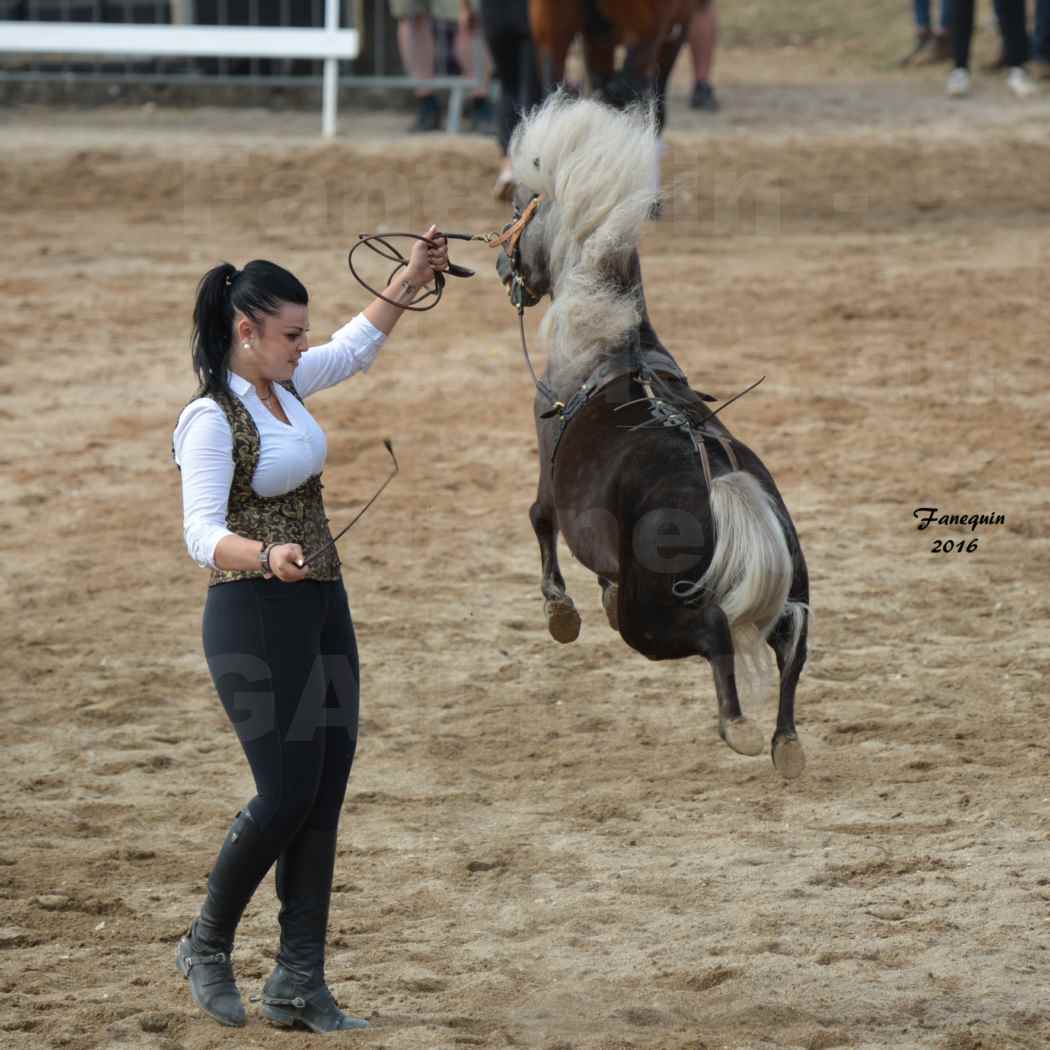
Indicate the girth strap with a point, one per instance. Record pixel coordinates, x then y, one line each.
705 460
646 366
727 447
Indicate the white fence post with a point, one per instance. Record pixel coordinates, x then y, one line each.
330 90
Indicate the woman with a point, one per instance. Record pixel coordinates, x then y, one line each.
277 633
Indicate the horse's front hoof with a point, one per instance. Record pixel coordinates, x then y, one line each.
788 756
563 621
743 737
609 604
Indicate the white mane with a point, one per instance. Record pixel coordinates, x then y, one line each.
594 164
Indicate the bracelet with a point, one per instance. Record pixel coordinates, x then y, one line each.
264 557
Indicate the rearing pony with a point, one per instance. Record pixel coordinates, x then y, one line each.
691 542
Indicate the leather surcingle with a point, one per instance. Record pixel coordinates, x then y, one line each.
293 517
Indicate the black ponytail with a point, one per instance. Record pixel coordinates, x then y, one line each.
260 288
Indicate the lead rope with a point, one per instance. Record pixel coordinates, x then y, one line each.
510 235
540 385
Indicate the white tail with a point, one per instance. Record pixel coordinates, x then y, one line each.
749 576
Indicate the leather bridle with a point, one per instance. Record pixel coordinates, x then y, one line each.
509 239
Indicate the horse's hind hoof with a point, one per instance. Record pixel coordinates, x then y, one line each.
563 621
743 737
610 605
788 756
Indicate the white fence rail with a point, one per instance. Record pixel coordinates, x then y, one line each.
90 38
73 38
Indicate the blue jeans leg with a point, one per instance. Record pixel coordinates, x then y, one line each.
947 15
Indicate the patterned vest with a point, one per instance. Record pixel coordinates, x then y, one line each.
294 517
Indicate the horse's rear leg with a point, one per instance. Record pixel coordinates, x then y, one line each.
716 646
563 621
788 755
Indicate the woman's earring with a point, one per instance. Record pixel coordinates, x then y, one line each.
246 346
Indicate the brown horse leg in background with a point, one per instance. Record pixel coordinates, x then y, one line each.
653 31
554 27
650 58
556 23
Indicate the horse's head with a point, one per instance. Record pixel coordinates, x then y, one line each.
523 263
583 187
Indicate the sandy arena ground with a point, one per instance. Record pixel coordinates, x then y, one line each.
549 846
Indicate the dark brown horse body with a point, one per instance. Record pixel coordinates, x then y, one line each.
683 525
653 31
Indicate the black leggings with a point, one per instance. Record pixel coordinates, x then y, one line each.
505 24
1015 36
283 657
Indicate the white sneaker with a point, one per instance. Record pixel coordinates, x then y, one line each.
958 82
1020 83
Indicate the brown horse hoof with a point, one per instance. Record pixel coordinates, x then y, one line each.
743 737
788 756
563 621
609 604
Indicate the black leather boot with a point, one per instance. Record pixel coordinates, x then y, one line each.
203 954
296 994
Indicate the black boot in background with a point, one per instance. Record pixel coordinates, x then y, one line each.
296 992
428 114
703 97
203 954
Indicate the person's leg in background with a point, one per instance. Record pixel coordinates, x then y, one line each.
261 640
932 44
942 38
476 63
924 35
296 993
415 41
962 36
1041 37
703 39
1014 24
505 24
923 25
947 16
999 62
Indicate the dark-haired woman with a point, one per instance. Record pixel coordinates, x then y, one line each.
278 636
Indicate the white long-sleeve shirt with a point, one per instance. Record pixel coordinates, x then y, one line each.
288 455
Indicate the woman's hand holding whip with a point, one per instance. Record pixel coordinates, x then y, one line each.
284 561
